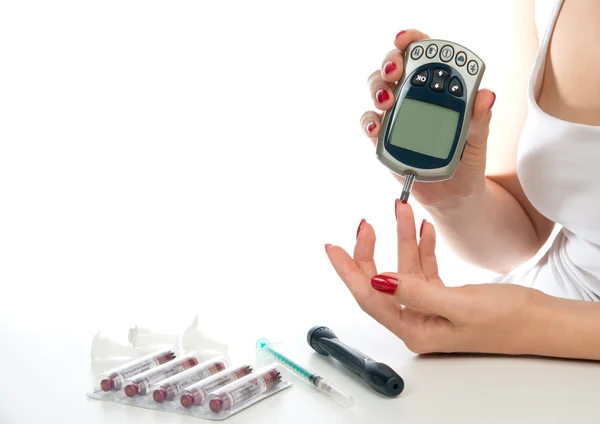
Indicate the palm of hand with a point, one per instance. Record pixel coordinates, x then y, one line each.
414 304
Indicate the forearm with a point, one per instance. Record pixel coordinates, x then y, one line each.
564 328
490 230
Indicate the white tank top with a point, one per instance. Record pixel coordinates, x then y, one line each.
558 168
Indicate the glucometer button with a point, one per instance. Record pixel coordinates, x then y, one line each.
461 58
432 50
455 87
417 52
439 79
473 67
446 53
420 78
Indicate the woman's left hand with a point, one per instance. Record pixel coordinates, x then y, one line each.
414 304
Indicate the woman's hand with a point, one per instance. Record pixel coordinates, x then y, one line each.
415 305
469 178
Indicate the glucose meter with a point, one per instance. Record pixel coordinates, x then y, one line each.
423 135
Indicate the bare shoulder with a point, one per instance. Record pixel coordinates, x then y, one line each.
571 87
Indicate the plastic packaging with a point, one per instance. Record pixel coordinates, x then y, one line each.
195 395
241 393
166 390
145 338
233 390
140 384
193 339
113 379
104 347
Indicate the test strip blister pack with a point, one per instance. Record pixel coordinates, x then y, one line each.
213 389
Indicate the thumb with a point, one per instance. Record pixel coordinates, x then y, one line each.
480 121
415 292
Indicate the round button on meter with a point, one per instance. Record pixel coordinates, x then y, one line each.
417 52
446 53
461 58
432 50
472 67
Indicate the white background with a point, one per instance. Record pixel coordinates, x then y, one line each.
164 159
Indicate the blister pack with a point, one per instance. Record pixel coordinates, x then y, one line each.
213 389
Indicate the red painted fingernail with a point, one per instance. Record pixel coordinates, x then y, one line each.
400 33
493 101
396 208
371 127
389 67
421 230
384 284
362 221
327 246
382 96
404 202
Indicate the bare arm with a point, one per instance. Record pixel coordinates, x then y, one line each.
498 228
564 328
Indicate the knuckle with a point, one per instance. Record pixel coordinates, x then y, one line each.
374 77
433 275
413 294
365 117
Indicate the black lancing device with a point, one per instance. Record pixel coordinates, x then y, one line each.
379 376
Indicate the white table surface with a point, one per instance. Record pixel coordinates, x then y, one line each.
52 372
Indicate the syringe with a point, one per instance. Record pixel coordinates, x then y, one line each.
196 393
114 378
318 382
171 386
239 392
141 383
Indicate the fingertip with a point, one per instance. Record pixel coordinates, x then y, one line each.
483 104
384 98
365 231
405 37
370 123
392 66
386 282
427 237
371 129
403 209
400 34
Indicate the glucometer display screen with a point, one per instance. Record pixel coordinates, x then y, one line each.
424 128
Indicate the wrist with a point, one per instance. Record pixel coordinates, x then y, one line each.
530 340
459 206
562 328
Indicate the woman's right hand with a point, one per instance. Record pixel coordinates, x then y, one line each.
469 179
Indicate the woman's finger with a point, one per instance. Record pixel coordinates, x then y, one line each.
392 66
408 250
382 91
371 123
404 38
384 309
364 250
480 122
409 290
429 264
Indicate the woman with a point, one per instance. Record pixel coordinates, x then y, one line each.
502 219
